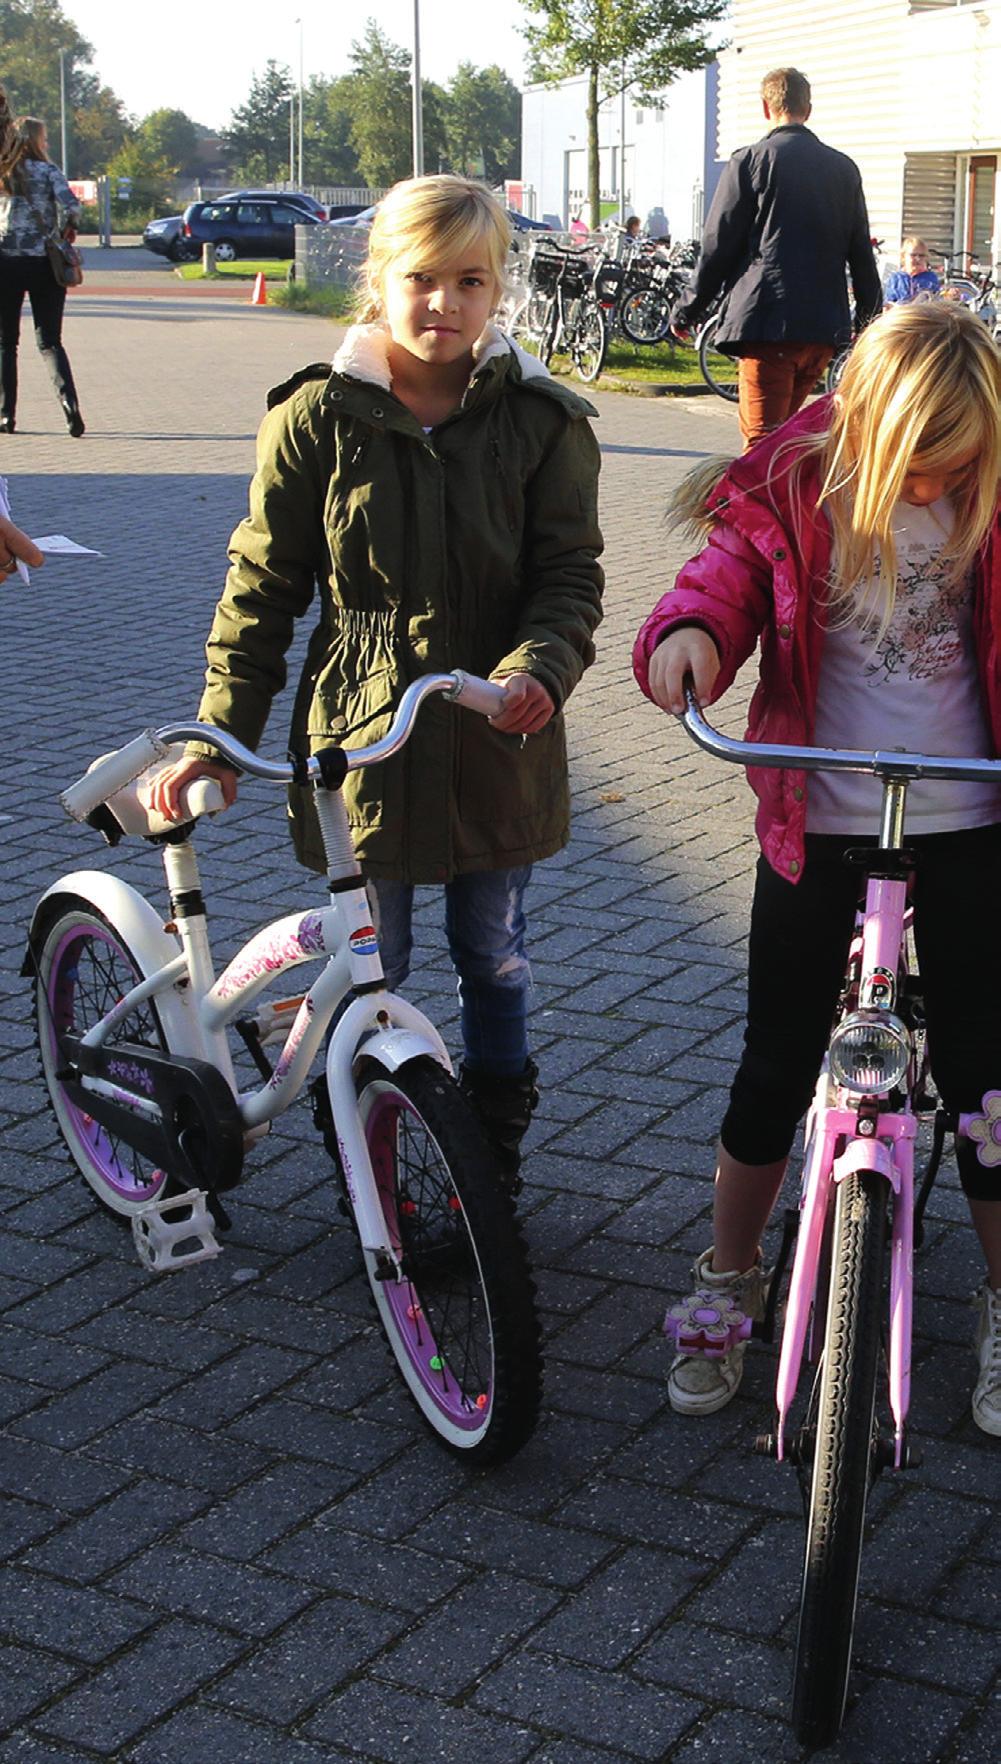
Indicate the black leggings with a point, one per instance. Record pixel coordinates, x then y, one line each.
32 276
799 941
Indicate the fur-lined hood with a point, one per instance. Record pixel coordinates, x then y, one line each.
364 355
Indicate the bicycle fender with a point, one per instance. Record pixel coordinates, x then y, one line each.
867 1154
394 1047
141 927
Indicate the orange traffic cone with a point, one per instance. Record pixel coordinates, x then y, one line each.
260 295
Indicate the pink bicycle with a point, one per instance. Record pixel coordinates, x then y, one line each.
857 1198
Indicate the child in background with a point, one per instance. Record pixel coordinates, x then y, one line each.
914 279
861 543
439 490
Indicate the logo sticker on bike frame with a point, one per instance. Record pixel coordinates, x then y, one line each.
878 989
364 941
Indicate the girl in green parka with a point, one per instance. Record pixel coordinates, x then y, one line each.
439 491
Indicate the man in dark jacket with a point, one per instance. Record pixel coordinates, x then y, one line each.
787 216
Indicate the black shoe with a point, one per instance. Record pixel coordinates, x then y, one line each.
74 421
6 425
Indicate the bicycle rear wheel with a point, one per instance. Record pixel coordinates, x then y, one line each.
462 1324
718 371
645 317
83 966
590 343
842 1460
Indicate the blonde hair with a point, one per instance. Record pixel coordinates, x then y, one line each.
432 221
921 388
913 241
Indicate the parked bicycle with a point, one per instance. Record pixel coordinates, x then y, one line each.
857 1199
561 313
132 1026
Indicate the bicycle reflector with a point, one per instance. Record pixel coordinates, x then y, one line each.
870 1052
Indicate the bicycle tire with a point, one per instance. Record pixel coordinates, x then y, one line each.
83 965
462 1325
835 368
842 1461
645 317
718 371
590 345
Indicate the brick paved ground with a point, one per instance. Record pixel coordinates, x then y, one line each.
226 1538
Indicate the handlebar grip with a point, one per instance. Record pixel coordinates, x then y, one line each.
485 696
111 774
203 797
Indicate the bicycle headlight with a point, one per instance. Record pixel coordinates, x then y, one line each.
870 1052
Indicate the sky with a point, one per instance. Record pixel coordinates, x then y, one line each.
201 55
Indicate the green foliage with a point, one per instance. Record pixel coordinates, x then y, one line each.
380 107
637 45
483 123
257 138
335 303
328 117
171 137
32 32
642 44
148 178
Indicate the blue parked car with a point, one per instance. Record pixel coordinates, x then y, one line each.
264 227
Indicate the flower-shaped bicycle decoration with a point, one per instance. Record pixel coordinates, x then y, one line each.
985 1129
707 1323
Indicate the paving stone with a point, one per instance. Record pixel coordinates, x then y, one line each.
217 1738
740 1739
63 1480
282 1679
75 1417
141 1687
324 1555
263 1510
594 1706
88 1547
229 1594
477 1625
380 1721
27 1681
84 1622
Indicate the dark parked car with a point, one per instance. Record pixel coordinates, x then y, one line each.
166 238
264 227
355 217
297 198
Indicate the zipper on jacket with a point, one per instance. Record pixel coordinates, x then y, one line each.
505 484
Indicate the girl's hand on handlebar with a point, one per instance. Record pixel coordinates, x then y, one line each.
527 708
165 790
688 650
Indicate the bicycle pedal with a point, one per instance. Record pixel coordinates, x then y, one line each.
174 1232
706 1323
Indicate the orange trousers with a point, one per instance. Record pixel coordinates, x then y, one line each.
773 380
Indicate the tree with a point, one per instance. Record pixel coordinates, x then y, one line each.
96 133
381 108
32 32
170 136
328 116
140 178
640 45
257 138
483 122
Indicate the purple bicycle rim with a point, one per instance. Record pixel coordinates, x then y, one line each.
403 1299
90 1140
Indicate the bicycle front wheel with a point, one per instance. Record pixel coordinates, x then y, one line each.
590 342
842 1462
719 371
462 1323
83 966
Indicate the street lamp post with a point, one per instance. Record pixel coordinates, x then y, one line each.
418 109
62 107
301 174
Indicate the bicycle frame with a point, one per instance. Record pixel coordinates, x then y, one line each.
870 1131
202 1006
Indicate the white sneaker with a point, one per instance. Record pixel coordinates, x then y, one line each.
701 1383
987 1345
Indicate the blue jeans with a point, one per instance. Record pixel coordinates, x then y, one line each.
485 927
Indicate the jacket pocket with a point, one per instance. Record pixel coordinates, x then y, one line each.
355 687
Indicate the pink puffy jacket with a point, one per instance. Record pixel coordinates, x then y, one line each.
761 575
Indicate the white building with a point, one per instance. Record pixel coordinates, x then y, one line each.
910 88
663 157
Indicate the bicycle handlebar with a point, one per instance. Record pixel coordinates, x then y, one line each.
880 764
118 769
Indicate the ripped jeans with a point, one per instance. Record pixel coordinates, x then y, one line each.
485 927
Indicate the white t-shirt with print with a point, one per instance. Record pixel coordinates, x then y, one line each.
917 688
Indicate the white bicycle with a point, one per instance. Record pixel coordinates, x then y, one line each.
132 1026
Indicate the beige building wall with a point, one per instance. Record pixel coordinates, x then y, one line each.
897 84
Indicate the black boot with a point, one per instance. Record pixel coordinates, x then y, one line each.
74 421
505 1107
